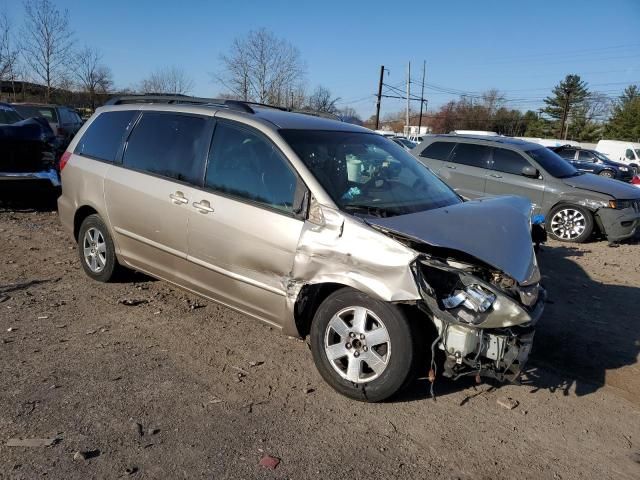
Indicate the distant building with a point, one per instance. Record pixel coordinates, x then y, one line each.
413 130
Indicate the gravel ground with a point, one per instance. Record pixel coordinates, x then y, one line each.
178 387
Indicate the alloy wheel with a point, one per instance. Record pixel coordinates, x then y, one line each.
357 344
568 224
95 250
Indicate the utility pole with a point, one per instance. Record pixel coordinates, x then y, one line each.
424 69
379 97
408 94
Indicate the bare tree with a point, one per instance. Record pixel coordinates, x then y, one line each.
167 80
92 76
8 52
46 42
321 100
263 68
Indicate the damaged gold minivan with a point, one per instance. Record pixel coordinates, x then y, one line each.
321 228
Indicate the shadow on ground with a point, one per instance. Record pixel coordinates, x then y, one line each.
36 196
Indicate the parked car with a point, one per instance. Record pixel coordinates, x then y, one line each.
621 151
404 142
27 148
574 203
64 121
592 161
314 226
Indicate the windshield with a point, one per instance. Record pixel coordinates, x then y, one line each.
368 174
405 142
553 163
601 156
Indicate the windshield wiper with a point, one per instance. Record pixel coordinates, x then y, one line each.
371 210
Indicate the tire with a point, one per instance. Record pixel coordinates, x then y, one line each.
95 249
381 355
570 223
607 173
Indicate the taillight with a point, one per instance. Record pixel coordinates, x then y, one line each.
64 159
636 180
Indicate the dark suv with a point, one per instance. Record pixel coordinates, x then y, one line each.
574 203
64 121
592 161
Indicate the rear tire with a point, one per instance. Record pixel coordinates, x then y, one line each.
362 347
96 250
570 223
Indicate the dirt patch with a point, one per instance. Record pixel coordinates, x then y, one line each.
153 388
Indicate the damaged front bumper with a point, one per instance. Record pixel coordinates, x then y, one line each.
619 224
50 175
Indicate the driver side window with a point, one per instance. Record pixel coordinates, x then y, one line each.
508 161
629 154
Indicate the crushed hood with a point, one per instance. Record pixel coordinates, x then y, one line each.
493 230
608 186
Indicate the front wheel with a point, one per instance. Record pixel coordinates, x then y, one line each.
570 223
362 347
607 173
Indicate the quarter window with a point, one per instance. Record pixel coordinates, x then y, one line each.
169 145
103 137
438 150
243 164
508 161
471 154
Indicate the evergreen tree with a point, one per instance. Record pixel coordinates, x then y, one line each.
624 123
568 95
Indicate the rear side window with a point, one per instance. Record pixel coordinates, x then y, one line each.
170 145
28 111
438 150
245 165
508 161
471 154
568 153
103 137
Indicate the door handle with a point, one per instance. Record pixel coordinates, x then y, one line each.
203 207
495 175
178 198
452 167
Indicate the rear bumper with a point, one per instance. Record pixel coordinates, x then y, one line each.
619 224
48 175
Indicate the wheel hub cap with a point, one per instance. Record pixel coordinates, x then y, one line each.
94 250
357 344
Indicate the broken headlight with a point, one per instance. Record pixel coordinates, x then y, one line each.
474 298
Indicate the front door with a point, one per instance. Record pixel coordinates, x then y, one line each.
243 232
506 177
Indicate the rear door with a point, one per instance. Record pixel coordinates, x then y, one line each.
466 169
243 232
435 154
149 194
506 177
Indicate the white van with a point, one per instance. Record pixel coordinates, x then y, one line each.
621 151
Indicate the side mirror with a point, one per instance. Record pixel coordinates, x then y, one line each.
530 172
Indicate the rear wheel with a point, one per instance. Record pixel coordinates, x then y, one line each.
96 250
362 347
570 223
607 173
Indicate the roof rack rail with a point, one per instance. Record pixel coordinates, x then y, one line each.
239 105
179 99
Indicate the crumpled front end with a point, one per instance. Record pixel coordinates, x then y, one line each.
485 320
